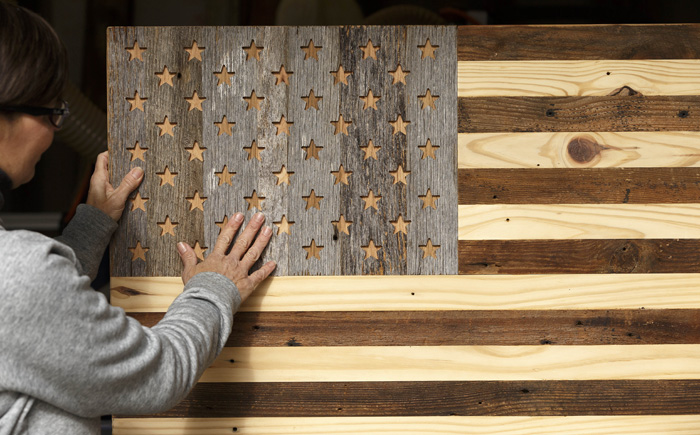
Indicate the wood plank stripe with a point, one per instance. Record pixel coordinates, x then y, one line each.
446 292
460 328
594 42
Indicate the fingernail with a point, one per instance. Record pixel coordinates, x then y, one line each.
258 217
266 231
136 173
238 217
181 247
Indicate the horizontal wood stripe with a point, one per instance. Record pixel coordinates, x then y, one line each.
478 257
454 363
607 113
460 328
574 42
562 78
446 292
578 150
578 221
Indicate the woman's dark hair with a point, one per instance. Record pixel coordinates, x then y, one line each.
33 60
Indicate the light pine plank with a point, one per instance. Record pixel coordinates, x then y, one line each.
553 150
446 292
576 77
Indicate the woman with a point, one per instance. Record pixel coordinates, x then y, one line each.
67 356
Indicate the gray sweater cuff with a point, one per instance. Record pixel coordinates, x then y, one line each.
88 234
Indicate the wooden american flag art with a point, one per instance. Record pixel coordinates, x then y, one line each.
477 229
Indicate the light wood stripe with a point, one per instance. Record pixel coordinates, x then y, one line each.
563 78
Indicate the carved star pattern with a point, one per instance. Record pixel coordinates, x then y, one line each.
165 77
399 75
370 100
340 75
341 175
342 225
136 102
196 202
370 150
371 250
312 150
400 225
399 125
224 126
254 151
283 175
138 203
252 51
311 100
429 250
196 152
199 250
428 100
167 227
283 126
138 252
136 52
253 101
282 76
313 201
341 126
428 149
400 175
167 177
195 101
222 223
223 76
429 199
284 226
311 51
166 127
312 250
371 200
369 50
137 152
225 176
427 49
254 201
195 51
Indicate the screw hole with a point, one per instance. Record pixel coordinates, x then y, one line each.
235 429
232 360
683 114
179 75
550 112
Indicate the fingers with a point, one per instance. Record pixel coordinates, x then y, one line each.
129 183
223 242
245 239
259 275
253 253
189 260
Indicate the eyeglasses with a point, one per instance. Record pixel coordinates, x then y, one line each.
57 116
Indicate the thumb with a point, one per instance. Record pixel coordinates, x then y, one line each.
129 183
189 260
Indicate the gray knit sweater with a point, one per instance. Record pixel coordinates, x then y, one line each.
67 356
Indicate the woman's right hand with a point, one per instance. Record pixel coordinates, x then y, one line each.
235 264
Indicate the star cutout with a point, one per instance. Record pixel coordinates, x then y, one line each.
194 51
222 224
137 152
196 101
284 226
370 100
135 52
428 149
254 151
282 76
342 225
370 150
199 250
313 201
196 152
430 250
283 175
253 101
369 50
167 227
428 100
165 77
136 102
166 127
428 49
340 76
400 175
252 51
224 126
371 250
341 126
167 177
341 175
312 250
371 200
399 75
196 202
399 125
400 225
223 76
311 100
138 203
311 50
312 150
283 126
254 201
429 200
225 176
138 252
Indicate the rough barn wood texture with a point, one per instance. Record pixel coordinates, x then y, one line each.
570 299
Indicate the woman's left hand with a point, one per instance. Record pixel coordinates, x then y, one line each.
105 197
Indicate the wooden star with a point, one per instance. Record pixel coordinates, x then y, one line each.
196 152
135 52
313 201
194 51
312 250
167 227
341 126
282 76
400 175
311 100
312 150
137 152
370 150
342 225
138 252
167 177
136 102
429 200
284 226
223 76
283 126
341 175
252 51
196 202
199 250
254 201
371 250
399 75
253 101
165 77
196 101
254 151
428 50
283 175
428 100
429 250
225 176
399 125
370 100
222 224
311 50
340 76
371 200
224 126
166 127
369 50
428 149
400 225
138 203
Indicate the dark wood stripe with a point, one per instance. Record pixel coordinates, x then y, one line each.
460 328
603 113
579 186
675 41
346 399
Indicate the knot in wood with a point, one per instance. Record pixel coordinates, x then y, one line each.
583 149
625 259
